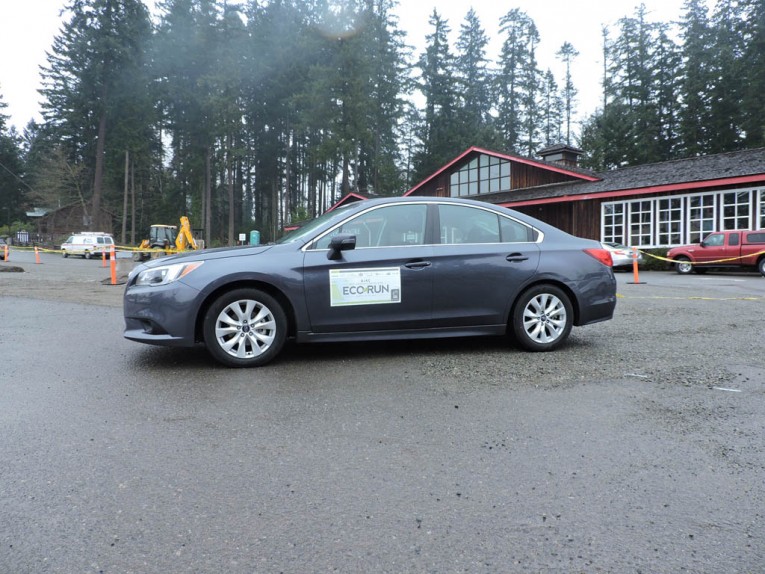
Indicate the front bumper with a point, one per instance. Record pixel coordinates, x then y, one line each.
164 315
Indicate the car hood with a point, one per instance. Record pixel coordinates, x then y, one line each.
677 248
207 254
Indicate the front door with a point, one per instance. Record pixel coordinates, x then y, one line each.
385 283
719 246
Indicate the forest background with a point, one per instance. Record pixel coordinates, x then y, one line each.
258 115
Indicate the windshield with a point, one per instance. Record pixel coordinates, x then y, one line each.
306 231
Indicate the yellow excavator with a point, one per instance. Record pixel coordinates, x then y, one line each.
166 239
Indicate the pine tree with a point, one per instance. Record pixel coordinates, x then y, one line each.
640 80
438 86
12 186
185 65
696 79
725 94
552 111
752 30
567 53
475 86
519 83
92 71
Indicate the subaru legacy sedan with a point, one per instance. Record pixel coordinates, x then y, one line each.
393 268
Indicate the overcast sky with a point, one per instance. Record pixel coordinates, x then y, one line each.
27 29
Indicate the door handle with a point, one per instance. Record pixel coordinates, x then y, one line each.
417 264
516 257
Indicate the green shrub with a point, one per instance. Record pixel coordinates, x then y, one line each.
651 261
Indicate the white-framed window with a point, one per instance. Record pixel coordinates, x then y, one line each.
670 224
701 218
613 222
641 223
736 209
761 222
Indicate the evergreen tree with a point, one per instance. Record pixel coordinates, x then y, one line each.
519 83
12 186
552 112
185 66
725 95
640 83
383 99
92 71
696 79
437 66
567 53
752 30
475 86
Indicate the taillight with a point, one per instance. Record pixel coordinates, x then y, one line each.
602 255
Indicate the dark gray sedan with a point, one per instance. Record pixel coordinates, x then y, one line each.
394 268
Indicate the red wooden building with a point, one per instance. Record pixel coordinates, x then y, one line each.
655 205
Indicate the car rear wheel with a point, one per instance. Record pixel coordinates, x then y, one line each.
542 318
683 266
87 255
245 328
761 266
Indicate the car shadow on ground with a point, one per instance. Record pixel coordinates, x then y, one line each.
293 354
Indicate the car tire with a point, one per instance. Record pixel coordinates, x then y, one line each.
65 254
761 266
87 255
683 266
542 318
229 333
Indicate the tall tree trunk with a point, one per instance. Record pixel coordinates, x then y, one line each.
99 171
230 190
287 186
132 204
207 211
125 198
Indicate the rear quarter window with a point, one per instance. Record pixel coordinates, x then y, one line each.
755 237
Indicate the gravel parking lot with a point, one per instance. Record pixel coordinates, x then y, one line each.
635 448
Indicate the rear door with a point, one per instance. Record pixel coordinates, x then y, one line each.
481 262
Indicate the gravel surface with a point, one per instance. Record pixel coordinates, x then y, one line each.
669 329
637 447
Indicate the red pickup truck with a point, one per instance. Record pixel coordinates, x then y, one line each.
722 249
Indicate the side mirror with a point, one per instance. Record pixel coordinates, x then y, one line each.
341 242
703 243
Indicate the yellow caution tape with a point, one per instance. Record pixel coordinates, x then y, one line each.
689 262
98 253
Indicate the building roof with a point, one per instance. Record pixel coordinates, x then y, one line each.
732 168
574 172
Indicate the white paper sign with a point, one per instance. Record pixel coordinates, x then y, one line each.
364 286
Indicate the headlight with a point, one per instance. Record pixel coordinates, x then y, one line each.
157 276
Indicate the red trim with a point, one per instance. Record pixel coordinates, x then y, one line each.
641 190
540 164
342 200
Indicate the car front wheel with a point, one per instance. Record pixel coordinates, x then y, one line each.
245 328
683 266
761 266
542 318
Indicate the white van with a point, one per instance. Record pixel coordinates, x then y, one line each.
88 244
